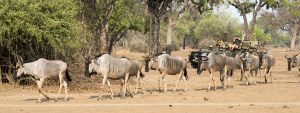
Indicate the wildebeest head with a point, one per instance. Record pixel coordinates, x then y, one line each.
92 68
19 66
202 64
153 63
252 60
262 55
150 60
291 62
89 66
146 60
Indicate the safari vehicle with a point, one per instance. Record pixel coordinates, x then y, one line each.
245 46
197 54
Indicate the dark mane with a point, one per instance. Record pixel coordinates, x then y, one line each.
125 57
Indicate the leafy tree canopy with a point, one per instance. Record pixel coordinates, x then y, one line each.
34 29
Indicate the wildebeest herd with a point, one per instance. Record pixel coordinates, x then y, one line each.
249 62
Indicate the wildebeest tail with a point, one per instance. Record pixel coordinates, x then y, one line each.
185 74
68 78
142 75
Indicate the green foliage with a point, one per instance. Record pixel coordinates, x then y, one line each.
207 26
34 29
128 14
292 7
210 26
260 35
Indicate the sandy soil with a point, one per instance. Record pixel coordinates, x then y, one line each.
281 96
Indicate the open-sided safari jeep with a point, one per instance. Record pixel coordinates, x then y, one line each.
249 44
197 54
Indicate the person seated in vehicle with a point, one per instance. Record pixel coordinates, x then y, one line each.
220 44
236 43
210 47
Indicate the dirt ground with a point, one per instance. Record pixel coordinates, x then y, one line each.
280 96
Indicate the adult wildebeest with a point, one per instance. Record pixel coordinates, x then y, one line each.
167 64
293 62
135 69
252 65
109 67
43 69
266 62
216 62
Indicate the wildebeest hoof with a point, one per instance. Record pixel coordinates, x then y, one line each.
123 97
131 95
39 101
248 83
224 88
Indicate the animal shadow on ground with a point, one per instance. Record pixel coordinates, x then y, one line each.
50 99
211 88
104 97
168 90
293 82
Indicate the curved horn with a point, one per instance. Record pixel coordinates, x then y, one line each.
19 59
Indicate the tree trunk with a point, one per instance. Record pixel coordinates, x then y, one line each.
169 34
246 27
183 44
154 45
104 38
294 36
0 76
110 46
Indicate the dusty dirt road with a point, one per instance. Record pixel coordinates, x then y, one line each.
281 96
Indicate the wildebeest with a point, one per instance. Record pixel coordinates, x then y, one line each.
43 69
293 61
216 62
202 64
170 65
109 67
135 69
252 65
266 62
230 66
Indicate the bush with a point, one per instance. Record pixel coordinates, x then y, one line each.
137 45
205 43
